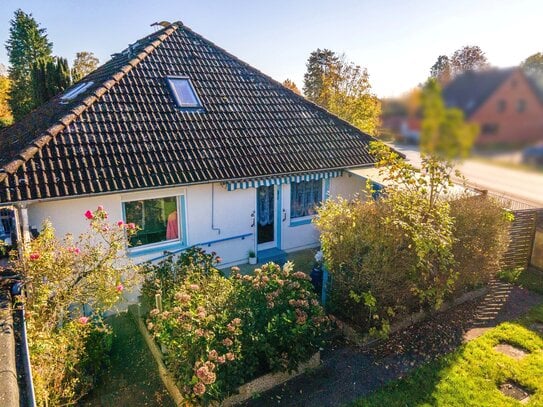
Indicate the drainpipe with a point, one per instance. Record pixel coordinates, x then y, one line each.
24 223
213 209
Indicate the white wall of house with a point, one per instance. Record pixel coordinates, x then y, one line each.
217 219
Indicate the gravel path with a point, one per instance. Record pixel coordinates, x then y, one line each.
348 372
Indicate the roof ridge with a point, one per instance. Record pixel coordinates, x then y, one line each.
283 87
52 131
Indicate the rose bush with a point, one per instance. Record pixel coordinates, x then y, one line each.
69 284
220 332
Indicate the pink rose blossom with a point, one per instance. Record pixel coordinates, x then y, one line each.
120 223
34 256
119 288
100 208
131 226
230 356
227 342
199 389
221 360
83 320
89 215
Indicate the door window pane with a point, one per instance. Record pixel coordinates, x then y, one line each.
157 218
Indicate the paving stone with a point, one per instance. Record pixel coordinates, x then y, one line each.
474 333
510 350
515 391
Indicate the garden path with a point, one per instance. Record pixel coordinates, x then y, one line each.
132 379
349 372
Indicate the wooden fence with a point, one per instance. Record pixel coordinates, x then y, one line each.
522 234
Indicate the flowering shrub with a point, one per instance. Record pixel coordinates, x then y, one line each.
282 321
68 347
220 332
200 334
165 277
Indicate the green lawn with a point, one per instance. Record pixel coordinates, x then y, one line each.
471 375
531 279
132 379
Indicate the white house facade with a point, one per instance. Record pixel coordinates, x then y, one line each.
208 215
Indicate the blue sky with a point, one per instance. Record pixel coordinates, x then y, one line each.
397 41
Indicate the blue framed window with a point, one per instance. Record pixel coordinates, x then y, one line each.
183 92
159 219
304 198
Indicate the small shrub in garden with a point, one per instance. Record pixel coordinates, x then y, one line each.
221 332
68 349
481 237
164 277
282 321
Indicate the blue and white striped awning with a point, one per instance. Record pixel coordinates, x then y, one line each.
258 182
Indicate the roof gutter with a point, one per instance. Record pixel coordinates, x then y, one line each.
20 316
9 388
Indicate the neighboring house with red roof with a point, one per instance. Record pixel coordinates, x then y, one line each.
505 103
190 143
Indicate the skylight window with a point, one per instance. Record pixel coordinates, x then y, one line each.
76 90
184 93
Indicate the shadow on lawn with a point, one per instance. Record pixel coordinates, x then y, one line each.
474 374
132 379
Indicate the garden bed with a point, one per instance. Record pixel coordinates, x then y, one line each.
245 392
363 339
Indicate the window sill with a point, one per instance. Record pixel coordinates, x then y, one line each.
159 248
306 220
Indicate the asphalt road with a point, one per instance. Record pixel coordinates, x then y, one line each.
519 185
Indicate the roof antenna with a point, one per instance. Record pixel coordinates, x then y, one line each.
163 24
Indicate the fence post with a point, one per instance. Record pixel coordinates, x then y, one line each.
158 301
324 284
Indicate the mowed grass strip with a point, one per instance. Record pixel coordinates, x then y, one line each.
472 375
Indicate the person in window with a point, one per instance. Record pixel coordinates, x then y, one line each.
172 226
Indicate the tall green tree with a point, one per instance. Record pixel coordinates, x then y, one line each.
287 83
49 77
343 88
26 44
468 58
84 63
533 65
6 118
444 132
321 69
442 69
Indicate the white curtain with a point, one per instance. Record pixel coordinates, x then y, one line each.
265 205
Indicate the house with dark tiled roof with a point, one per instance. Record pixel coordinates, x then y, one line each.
185 140
505 103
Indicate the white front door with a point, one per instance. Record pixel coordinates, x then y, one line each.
266 208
